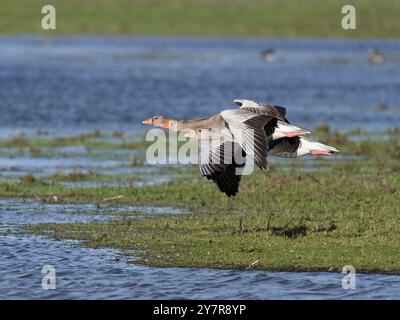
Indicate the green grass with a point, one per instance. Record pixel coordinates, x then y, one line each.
286 221
204 17
282 219
92 139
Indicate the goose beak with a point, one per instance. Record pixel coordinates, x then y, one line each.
148 121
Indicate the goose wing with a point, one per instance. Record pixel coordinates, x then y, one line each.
219 162
248 130
263 108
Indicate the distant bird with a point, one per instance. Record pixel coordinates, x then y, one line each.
254 129
375 56
383 106
268 55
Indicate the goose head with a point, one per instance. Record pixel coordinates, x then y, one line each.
158 121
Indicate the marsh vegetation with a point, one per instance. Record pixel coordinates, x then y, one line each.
205 18
304 214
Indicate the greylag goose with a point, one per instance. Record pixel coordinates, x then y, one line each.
248 129
231 130
274 129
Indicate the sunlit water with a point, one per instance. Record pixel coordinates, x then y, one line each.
99 82
72 84
83 273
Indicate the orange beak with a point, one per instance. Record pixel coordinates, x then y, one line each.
165 124
148 121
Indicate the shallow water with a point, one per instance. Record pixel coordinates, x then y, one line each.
53 165
84 273
114 83
18 212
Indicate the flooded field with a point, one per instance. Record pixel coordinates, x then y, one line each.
71 116
84 273
115 83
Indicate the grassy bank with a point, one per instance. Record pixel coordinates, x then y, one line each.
204 17
288 218
303 225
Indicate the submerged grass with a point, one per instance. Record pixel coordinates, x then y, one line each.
94 139
91 176
282 219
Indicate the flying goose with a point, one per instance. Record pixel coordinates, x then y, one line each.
278 127
247 128
254 129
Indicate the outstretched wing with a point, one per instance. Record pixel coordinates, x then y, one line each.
248 130
264 108
221 162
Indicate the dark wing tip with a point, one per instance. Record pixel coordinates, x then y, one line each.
262 163
227 181
223 174
237 102
282 110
